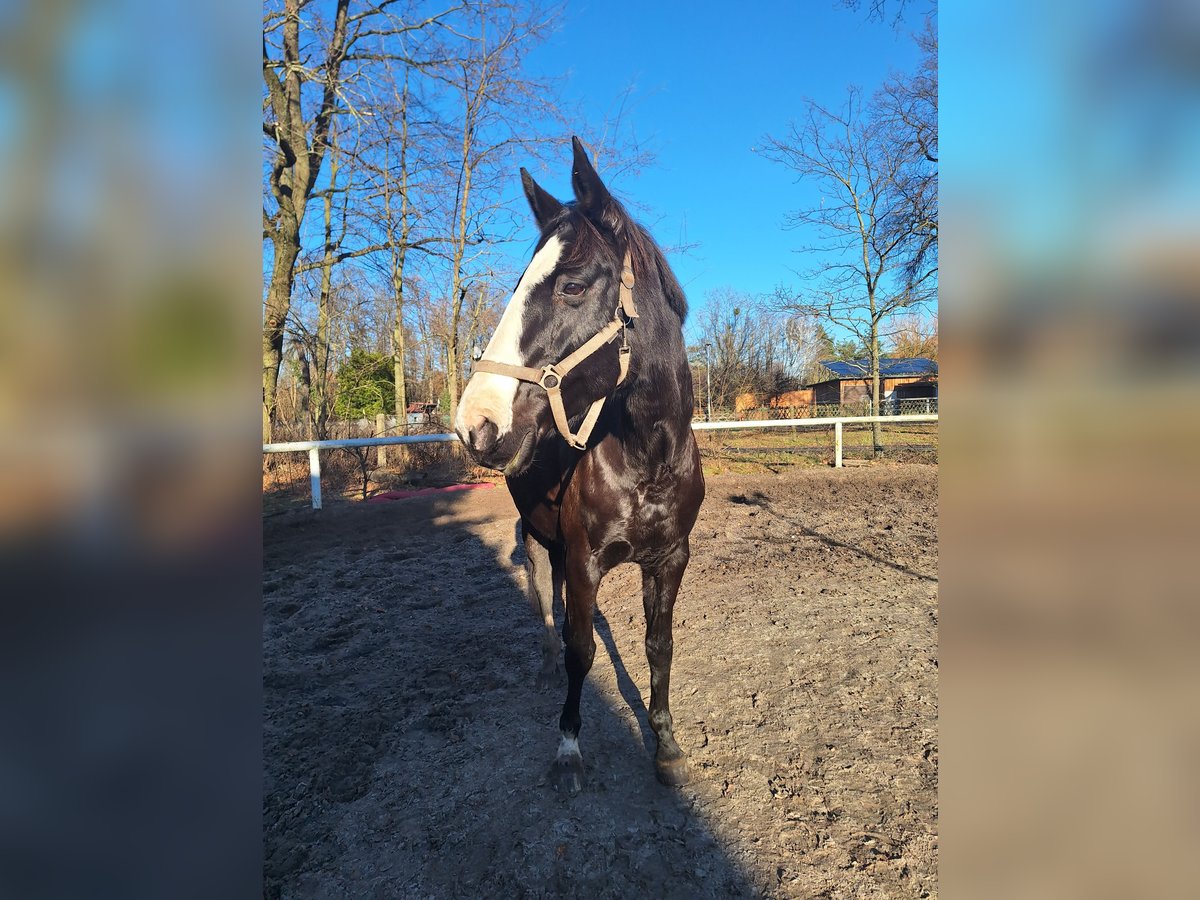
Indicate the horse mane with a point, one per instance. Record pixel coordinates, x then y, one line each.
647 258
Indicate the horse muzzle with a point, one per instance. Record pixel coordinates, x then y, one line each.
487 447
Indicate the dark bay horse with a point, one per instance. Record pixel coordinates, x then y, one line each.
583 398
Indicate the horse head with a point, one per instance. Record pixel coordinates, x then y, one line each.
571 334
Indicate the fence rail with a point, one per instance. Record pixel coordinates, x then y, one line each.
314 448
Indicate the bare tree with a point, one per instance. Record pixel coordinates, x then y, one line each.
309 62
914 335
749 347
727 328
809 345
864 217
319 378
496 101
882 10
431 316
398 232
907 108
614 142
406 129
403 161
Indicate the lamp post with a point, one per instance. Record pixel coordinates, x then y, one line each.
708 383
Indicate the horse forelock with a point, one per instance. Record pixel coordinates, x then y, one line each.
584 240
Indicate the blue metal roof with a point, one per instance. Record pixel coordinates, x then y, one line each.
888 367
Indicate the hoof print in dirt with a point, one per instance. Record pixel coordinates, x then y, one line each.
566 775
672 772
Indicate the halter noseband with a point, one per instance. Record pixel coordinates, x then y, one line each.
550 378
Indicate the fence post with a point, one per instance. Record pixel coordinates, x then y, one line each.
837 445
314 476
381 453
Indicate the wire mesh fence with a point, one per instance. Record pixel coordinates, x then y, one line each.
888 407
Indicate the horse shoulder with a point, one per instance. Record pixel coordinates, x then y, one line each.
538 496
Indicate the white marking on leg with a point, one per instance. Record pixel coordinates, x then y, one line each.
490 395
568 747
549 620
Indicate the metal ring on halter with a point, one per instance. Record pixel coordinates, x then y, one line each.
548 372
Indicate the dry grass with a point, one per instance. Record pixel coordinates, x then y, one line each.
769 450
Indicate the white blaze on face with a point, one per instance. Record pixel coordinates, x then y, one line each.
490 395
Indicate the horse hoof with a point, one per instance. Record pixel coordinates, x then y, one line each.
672 772
567 775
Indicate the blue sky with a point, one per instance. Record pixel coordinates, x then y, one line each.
711 80
1108 119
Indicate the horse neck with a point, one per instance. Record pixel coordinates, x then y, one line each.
656 412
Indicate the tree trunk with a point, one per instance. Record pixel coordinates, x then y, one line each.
293 175
399 254
473 321
325 296
279 298
304 369
398 369
398 339
458 290
452 380
323 380
876 427
398 362
452 354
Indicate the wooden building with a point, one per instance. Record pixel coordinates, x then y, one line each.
421 413
899 380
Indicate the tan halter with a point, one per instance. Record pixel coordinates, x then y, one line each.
550 378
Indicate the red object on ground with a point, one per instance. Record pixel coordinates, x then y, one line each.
404 495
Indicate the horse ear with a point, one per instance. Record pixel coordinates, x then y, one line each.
544 206
590 191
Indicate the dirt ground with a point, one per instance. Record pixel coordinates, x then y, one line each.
406 748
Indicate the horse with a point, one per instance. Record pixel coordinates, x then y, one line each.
583 400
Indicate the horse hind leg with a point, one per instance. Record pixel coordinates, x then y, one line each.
659 589
545 581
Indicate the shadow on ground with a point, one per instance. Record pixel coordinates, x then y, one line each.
406 748
760 500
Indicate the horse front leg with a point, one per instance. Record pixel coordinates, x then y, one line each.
582 582
543 566
659 589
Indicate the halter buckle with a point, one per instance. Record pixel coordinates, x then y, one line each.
547 373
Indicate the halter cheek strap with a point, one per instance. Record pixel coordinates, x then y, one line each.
550 377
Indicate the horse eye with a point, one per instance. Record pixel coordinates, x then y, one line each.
573 288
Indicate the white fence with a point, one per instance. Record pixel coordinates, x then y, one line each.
314 448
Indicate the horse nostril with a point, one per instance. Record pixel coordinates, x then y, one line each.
484 435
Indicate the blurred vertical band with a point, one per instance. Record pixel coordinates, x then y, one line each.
130 305
1070 414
